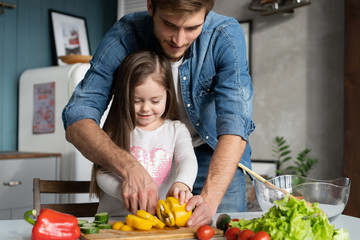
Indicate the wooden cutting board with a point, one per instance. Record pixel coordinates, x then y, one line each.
166 233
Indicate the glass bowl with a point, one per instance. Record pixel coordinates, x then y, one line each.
332 195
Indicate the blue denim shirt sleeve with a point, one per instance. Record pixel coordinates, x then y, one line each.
233 90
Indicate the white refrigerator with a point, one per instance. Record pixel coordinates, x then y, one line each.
43 93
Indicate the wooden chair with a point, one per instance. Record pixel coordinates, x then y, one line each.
87 209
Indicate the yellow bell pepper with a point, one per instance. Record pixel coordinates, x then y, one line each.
138 222
157 223
126 228
172 213
117 225
164 214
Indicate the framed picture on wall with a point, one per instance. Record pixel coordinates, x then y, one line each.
246 26
69 36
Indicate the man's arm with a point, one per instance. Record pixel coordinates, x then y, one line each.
223 166
138 188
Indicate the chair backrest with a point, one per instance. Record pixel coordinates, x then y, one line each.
87 209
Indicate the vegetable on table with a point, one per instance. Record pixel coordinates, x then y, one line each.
292 218
205 232
246 234
101 218
89 229
126 228
232 233
82 222
261 235
138 222
172 213
104 226
156 222
222 221
117 225
51 225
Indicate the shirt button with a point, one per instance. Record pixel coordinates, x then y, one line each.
184 78
197 124
188 105
207 137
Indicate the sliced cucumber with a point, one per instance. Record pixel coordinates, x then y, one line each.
89 230
104 226
89 225
82 222
102 217
99 222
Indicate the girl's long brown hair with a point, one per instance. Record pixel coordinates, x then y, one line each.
120 122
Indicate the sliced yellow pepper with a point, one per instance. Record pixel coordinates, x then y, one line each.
138 222
164 214
179 211
172 213
126 228
157 223
117 225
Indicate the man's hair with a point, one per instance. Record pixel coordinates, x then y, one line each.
189 6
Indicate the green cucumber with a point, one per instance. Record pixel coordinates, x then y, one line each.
104 226
89 225
99 222
102 217
82 222
89 230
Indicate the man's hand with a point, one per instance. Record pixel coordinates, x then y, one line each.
139 191
202 213
222 169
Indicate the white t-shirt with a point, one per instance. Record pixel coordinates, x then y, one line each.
196 139
166 153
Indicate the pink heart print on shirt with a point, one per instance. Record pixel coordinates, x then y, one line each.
157 162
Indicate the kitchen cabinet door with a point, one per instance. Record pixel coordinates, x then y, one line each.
16 178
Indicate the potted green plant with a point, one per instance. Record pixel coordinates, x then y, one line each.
303 163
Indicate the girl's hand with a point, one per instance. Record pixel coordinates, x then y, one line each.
181 191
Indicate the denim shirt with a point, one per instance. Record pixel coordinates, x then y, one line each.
215 81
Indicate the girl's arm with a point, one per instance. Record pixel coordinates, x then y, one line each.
186 165
109 183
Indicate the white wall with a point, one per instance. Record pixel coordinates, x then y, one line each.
298 77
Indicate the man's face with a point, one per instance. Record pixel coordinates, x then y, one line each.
176 31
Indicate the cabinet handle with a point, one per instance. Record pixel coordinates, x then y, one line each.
12 183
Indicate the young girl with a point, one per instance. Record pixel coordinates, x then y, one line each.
142 120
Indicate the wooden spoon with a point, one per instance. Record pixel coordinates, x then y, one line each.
260 178
257 176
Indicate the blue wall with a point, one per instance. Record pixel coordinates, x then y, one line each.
25 43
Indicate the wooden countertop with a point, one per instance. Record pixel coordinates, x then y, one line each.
16 155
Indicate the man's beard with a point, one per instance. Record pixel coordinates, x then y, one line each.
160 49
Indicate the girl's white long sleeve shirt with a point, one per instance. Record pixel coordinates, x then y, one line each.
166 153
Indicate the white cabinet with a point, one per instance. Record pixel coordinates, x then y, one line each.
17 171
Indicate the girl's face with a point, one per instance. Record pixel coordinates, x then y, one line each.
150 103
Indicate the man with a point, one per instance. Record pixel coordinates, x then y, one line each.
208 56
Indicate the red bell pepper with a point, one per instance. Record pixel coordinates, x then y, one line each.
51 224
